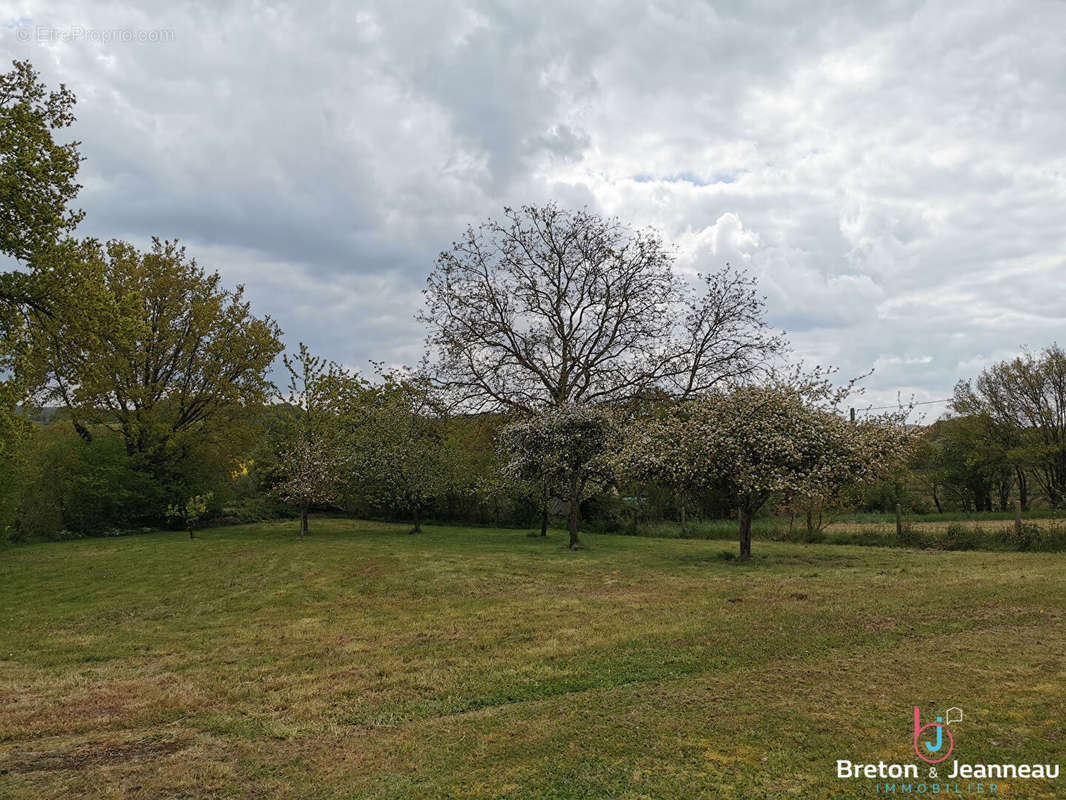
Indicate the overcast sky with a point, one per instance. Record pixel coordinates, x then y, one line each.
893 172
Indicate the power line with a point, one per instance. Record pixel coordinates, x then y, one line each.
901 405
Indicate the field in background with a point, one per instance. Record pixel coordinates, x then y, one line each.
1042 531
476 663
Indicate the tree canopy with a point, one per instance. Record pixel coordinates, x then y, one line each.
37 183
165 359
1024 400
37 173
564 449
402 456
549 307
754 441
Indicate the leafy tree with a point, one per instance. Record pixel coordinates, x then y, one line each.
756 441
82 487
37 182
930 465
191 511
166 363
965 463
1025 401
14 429
311 450
563 449
37 174
480 484
403 458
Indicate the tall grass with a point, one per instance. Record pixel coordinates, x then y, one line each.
1033 537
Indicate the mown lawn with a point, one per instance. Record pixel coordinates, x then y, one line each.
364 662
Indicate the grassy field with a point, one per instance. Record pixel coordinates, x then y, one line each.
364 662
1042 530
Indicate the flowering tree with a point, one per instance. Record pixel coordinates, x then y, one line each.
312 454
564 450
313 474
403 457
755 441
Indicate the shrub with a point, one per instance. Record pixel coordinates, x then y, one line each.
1032 537
73 487
606 513
962 537
912 537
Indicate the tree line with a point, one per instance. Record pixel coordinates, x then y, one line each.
569 372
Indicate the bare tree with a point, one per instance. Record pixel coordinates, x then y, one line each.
549 307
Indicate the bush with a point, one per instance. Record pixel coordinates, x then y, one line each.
962 537
911 536
72 487
604 513
958 536
1032 537
246 510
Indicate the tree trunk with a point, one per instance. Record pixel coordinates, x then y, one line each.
681 502
573 516
303 522
544 518
745 534
1023 488
936 501
418 520
191 536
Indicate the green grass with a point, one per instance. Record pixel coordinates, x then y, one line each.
985 531
364 662
861 517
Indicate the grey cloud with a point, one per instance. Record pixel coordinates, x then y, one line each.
893 172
